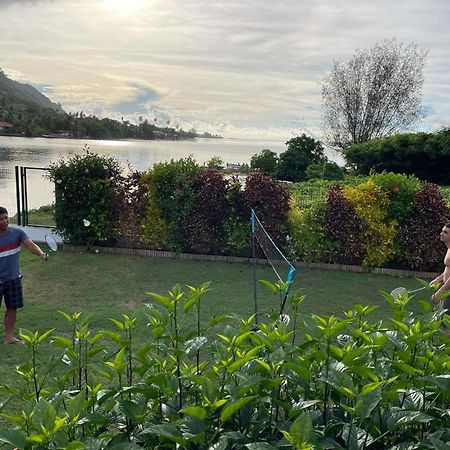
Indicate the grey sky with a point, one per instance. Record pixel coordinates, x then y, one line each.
249 69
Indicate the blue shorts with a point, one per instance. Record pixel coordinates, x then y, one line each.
11 291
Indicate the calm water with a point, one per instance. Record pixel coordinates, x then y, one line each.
40 152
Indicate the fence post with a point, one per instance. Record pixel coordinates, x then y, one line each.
19 212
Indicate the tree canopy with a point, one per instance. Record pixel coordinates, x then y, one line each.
376 93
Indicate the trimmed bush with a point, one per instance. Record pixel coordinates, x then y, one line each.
419 237
370 203
343 225
270 201
203 228
424 155
86 192
309 240
174 195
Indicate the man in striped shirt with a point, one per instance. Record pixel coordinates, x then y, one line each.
11 240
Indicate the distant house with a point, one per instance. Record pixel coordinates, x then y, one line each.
5 125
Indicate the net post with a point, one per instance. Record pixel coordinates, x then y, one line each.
255 299
289 279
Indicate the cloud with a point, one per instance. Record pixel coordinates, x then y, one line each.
140 102
255 65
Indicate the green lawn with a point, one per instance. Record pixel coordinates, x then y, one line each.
105 286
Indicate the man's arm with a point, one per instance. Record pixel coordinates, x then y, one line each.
445 287
438 279
35 249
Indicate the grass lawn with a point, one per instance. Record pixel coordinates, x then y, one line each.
104 286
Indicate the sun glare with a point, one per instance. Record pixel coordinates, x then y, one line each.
124 5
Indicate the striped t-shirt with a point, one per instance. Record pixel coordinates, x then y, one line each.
9 253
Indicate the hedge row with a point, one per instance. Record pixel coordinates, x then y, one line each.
385 220
389 220
176 206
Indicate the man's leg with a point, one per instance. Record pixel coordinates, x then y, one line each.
13 301
10 322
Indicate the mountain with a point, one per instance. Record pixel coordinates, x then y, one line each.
23 97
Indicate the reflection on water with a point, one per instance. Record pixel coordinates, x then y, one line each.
141 155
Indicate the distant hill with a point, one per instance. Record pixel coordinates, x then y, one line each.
30 113
23 97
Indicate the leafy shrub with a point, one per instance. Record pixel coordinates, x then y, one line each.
309 241
370 203
424 155
203 228
343 225
346 383
420 235
129 210
327 170
174 195
401 192
270 201
237 225
153 228
86 191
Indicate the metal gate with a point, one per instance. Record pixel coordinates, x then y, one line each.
35 196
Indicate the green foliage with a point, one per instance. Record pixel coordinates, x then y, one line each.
327 170
370 203
86 193
265 162
424 155
347 383
302 151
309 240
216 163
174 194
401 193
154 229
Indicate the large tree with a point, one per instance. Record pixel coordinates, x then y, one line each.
376 93
302 151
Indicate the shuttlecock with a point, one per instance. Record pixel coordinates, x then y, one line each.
86 222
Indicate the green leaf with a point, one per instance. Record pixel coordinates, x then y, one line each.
61 341
76 445
44 336
169 431
165 301
272 287
14 437
260 446
47 414
301 434
195 411
234 407
193 345
400 418
219 319
76 404
367 403
134 411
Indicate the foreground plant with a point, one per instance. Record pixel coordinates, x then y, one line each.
309 383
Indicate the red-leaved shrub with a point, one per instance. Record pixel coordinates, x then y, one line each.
270 201
343 225
203 229
419 238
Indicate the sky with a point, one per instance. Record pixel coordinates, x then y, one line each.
240 68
